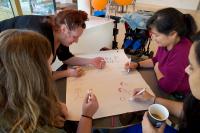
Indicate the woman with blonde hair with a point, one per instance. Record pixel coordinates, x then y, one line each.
28 101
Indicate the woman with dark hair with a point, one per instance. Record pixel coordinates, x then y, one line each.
171 30
188 111
28 99
62 30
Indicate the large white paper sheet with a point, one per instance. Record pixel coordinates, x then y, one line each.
112 85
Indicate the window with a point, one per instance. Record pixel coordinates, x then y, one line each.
5 9
39 7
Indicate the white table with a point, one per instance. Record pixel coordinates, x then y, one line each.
98 34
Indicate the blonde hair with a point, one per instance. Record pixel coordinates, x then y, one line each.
27 95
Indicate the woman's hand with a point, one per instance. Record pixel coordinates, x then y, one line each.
90 105
143 97
98 62
147 127
130 65
62 116
76 71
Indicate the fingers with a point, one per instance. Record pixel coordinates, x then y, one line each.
145 115
90 104
99 62
79 71
75 71
103 63
136 91
88 98
93 98
126 66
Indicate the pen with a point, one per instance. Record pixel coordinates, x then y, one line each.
140 92
89 92
129 64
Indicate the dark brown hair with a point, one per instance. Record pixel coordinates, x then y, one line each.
170 19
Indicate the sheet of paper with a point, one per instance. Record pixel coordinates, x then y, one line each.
112 85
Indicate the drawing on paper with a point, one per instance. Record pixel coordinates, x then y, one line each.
111 59
78 94
125 92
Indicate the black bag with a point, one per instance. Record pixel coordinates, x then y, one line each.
135 42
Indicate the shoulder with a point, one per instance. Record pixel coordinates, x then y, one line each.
181 50
184 44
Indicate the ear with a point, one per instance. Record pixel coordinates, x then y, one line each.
173 34
63 28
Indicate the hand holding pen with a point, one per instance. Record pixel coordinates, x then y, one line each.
90 104
98 62
141 95
130 65
75 71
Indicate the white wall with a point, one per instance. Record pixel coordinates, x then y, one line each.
64 1
184 4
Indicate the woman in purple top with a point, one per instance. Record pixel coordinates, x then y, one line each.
171 30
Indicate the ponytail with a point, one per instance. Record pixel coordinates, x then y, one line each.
190 25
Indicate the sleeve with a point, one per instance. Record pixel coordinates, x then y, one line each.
7 24
174 74
155 58
63 53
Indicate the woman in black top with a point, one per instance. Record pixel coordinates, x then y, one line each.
61 30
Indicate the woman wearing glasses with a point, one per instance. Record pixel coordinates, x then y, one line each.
62 30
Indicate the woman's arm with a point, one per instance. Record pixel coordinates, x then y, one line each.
97 62
85 124
175 108
70 72
144 64
148 63
90 106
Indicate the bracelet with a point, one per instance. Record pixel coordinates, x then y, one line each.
138 65
87 117
154 100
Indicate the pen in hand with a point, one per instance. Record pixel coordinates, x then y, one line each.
89 93
140 92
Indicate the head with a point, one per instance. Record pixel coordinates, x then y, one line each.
191 106
27 97
168 25
193 69
70 24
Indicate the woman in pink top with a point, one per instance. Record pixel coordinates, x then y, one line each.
171 30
